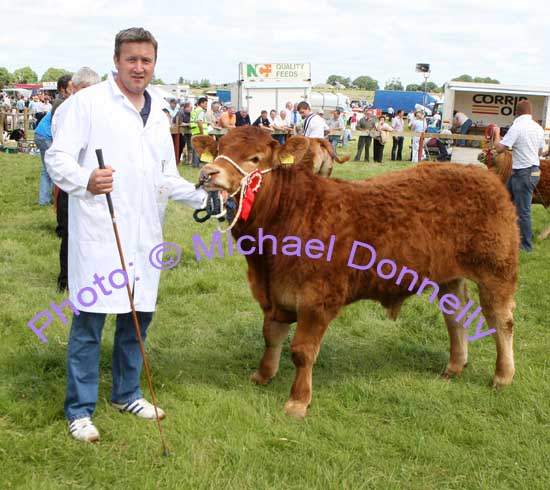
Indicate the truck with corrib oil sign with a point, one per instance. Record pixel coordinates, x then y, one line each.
487 103
266 86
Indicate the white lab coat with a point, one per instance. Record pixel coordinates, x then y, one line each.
145 178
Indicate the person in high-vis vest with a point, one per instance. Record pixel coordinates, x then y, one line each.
198 124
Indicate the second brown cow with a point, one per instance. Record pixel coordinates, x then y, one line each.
443 222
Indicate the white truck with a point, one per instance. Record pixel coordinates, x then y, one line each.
487 103
327 102
266 86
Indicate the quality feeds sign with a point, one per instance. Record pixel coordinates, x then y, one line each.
275 71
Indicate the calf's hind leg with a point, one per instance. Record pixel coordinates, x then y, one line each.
457 335
498 305
275 330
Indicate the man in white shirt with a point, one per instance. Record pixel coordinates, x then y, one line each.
526 138
124 117
336 124
281 123
314 125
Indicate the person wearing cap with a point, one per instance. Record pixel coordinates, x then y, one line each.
526 138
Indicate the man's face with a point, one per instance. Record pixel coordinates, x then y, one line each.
204 105
304 112
231 111
173 104
135 66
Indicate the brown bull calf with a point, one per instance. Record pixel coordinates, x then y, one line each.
448 223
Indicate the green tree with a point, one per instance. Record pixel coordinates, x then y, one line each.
431 87
364 82
413 87
157 81
104 77
485 80
25 75
393 84
204 83
463 78
5 77
52 74
468 78
333 79
180 81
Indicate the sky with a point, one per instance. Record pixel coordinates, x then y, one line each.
207 39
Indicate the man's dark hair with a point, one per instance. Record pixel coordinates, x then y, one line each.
134 35
399 110
201 100
63 82
303 105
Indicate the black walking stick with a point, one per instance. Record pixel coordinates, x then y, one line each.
99 154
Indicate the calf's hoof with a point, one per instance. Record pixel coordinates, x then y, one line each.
258 379
452 371
500 382
296 409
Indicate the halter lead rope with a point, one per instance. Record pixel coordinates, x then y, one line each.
243 186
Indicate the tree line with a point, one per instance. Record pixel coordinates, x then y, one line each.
364 82
27 75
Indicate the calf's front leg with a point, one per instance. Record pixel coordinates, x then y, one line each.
305 348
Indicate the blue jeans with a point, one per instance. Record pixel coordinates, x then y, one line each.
334 141
464 130
45 192
196 159
521 185
83 354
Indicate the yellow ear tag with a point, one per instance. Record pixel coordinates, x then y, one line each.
287 159
207 157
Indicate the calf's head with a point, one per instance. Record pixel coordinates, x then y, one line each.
250 148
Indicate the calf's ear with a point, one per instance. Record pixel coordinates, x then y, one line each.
205 146
292 151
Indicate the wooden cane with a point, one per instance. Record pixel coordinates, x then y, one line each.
101 163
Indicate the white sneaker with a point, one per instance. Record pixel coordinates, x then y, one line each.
84 430
140 408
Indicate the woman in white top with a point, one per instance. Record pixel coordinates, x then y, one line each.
417 125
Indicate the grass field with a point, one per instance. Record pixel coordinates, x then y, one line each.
381 418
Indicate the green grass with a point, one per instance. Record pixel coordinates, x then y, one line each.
380 419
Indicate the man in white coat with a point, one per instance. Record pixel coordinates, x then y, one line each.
124 118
